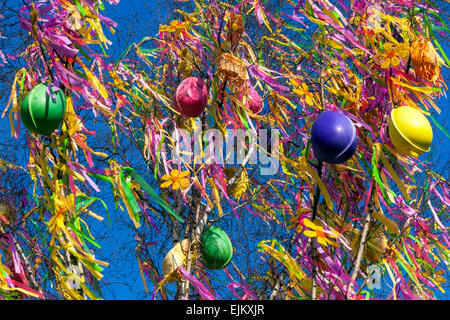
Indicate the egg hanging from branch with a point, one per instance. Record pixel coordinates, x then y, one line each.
215 248
254 101
191 97
333 137
41 112
410 131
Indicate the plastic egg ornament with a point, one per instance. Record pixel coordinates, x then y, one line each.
191 97
410 131
215 248
40 112
333 137
254 102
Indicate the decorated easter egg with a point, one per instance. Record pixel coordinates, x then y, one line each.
40 112
333 137
410 131
191 97
215 248
255 102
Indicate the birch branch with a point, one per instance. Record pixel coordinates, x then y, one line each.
312 240
362 247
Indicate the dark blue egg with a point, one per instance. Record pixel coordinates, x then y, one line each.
333 137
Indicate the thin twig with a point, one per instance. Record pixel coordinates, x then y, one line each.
362 244
314 209
362 247
312 240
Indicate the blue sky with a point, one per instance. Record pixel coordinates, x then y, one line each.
141 11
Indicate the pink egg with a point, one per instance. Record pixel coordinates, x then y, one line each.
255 102
191 97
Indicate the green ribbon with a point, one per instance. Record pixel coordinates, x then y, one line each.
82 234
430 29
440 126
376 175
144 185
126 183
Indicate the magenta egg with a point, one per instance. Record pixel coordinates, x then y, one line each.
255 102
191 97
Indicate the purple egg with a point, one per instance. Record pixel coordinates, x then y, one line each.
333 137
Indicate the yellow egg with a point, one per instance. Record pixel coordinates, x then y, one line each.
410 131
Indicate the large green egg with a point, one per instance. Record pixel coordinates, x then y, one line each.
41 113
215 248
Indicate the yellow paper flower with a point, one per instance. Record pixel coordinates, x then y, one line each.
318 232
176 179
234 21
302 90
392 54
